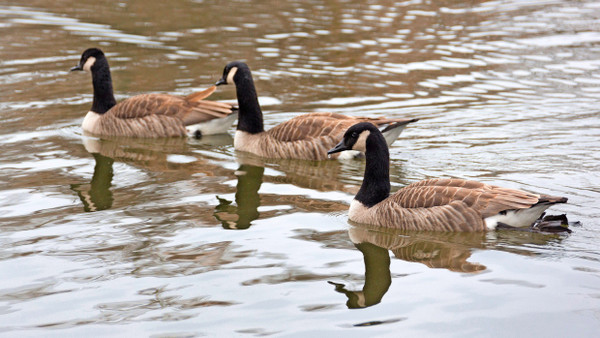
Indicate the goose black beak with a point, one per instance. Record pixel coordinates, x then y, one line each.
78 67
339 147
221 82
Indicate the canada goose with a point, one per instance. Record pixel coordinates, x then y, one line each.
434 204
305 137
149 115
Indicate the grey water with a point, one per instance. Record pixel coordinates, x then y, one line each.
187 238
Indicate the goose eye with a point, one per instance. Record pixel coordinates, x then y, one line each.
354 135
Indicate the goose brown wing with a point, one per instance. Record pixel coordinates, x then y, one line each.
140 106
202 110
313 125
190 112
197 96
486 199
309 126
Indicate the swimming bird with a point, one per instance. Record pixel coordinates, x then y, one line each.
306 137
149 115
435 204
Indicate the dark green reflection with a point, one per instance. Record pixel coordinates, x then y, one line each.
247 199
98 196
377 278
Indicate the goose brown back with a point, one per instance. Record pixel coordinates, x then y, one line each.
306 137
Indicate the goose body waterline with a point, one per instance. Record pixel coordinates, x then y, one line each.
149 115
306 137
434 204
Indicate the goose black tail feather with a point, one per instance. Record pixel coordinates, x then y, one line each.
545 224
398 124
545 199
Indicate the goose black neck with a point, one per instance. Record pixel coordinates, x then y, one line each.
104 98
376 183
250 118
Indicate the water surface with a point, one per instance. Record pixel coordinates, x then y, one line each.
190 238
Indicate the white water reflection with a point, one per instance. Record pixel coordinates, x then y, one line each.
24 15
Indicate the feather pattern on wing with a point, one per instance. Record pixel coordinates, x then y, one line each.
307 126
455 216
486 199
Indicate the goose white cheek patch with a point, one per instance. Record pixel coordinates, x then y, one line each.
231 74
87 66
361 143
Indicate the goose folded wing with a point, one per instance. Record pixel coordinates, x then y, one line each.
315 125
190 112
203 111
143 105
309 126
486 199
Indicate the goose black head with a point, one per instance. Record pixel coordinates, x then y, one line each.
88 59
230 71
355 138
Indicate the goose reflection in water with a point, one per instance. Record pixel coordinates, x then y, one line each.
378 277
443 250
148 154
315 175
434 249
318 176
247 199
97 195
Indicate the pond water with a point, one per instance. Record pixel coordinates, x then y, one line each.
185 238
